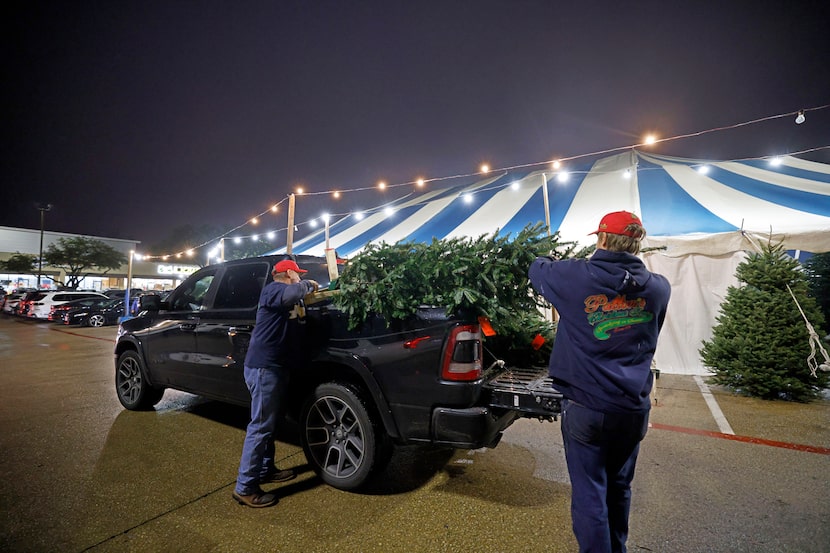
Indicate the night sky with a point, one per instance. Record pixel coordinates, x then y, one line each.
134 118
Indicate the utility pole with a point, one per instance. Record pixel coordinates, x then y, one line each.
43 209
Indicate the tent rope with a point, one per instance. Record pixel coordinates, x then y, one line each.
814 340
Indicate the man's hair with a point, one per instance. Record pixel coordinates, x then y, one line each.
622 243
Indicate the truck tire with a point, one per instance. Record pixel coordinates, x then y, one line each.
342 438
134 392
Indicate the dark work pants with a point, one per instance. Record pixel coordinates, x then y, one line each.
601 452
267 386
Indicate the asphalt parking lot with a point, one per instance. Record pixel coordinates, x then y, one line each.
78 473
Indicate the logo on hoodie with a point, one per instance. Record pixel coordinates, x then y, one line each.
608 316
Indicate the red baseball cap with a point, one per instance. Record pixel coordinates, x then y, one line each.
287 265
615 223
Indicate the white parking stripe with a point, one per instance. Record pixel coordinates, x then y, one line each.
723 424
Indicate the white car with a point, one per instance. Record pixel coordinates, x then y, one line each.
12 300
40 304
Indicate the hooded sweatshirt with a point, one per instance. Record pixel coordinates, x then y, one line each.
277 333
611 311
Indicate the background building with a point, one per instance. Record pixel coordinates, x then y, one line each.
147 275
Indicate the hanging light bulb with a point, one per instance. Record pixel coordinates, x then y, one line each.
799 119
485 168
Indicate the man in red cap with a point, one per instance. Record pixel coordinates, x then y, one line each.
611 311
271 353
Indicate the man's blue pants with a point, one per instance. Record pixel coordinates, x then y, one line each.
601 452
266 387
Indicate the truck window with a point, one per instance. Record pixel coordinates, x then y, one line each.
241 286
191 295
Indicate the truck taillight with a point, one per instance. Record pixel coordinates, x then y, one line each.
462 356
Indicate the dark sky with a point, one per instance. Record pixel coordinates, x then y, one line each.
134 118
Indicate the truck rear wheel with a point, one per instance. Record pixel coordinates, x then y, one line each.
342 438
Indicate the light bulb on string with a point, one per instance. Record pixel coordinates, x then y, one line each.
336 194
274 208
381 185
799 119
556 164
485 168
420 183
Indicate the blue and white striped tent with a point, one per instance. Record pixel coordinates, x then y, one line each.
689 206
704 214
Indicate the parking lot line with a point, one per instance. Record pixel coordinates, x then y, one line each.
714 408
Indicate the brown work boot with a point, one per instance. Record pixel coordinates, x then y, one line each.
257 499
277 475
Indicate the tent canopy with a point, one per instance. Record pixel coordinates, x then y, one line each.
687 206
703 215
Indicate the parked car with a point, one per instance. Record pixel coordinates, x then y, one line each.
422 379
12 302
99 314
57 312
40 304
118 293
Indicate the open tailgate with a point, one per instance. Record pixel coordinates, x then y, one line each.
529 391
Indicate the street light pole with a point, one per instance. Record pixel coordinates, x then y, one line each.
43 209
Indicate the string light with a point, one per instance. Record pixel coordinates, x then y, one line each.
561 176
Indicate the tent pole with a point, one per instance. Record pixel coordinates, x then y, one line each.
290 240
547 204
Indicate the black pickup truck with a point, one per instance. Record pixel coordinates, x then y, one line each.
419 380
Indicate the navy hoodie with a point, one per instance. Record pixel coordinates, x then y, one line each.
276 334
611 310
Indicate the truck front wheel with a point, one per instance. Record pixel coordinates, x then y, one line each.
341 438
134 392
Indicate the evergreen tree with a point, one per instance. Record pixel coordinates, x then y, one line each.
761 343
818 274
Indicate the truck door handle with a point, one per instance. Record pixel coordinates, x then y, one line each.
234 330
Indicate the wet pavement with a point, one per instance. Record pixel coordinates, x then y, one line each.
79 473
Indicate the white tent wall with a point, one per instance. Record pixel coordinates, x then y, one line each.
699 284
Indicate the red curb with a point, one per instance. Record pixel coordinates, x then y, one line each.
745 439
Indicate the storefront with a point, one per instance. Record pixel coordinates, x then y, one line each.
146 275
